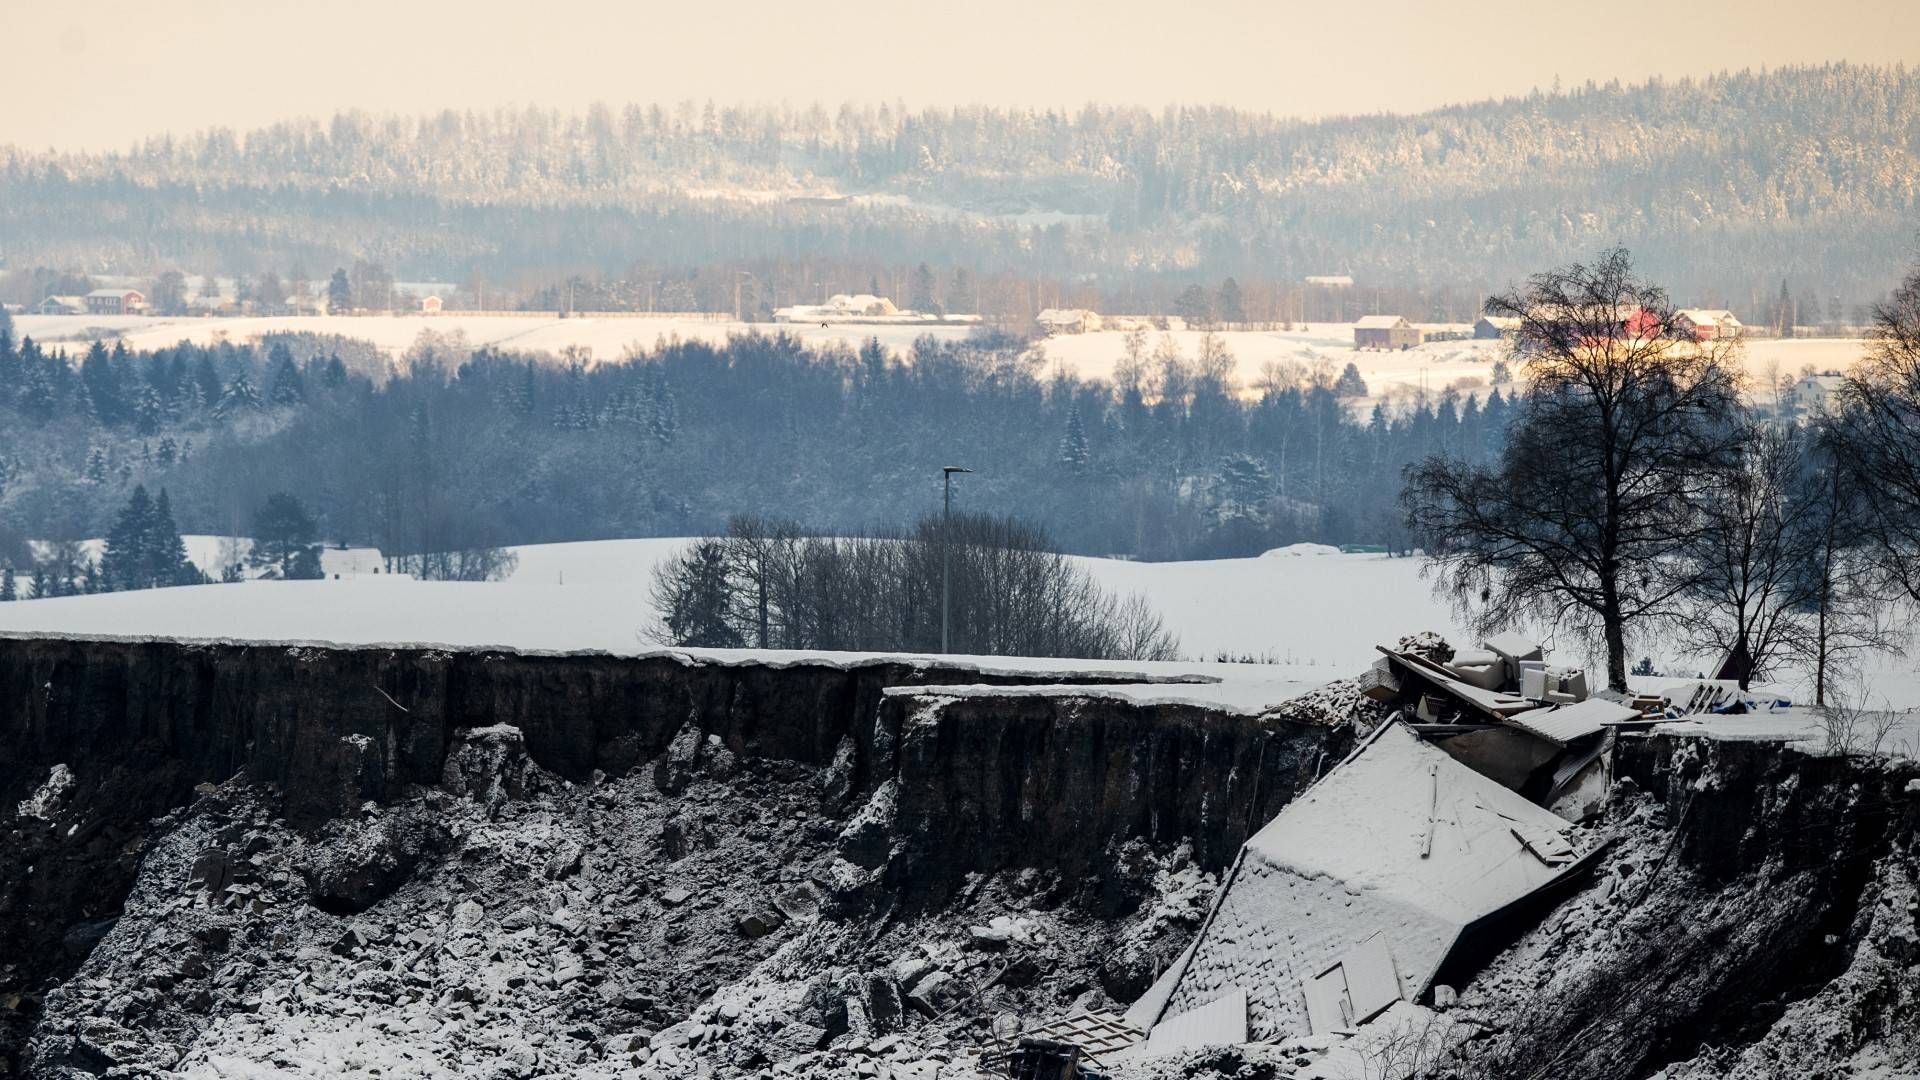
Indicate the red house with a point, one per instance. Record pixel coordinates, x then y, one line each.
116 302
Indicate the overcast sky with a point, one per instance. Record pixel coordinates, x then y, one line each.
105 72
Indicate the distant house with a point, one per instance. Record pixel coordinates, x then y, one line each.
1385 332
431 305
1492 327
1068 321
116 302
847 307
1707 324
1812 394
1331 281
62 305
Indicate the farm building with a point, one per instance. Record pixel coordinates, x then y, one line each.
431 305
1385 332
1492 327
1068 321
842 307
1706 324
116 302
61 305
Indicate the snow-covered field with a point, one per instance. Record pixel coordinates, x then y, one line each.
605 337
1434 365
1308 614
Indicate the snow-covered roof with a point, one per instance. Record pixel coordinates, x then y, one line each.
1708 316
1569 723
1400 841
114 294
1379 322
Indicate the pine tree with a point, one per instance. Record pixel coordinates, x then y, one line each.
287 388
1195 306
1073 445
1350 384
1232 306
97 470
339 293
8 591
920 290
38 590
126 564
166 550
695 597
238 397
282 534
149 412
665 417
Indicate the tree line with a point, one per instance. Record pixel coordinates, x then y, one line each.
1637 494
461 451
974 584
1723 184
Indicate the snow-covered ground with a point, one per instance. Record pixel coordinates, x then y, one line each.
605 337
213 554
1434 365
1308 614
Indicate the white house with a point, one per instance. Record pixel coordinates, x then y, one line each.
1706 324
1811 394
1068 321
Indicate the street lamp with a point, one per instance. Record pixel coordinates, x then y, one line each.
946 552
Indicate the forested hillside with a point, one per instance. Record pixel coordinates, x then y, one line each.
460 450
1722 187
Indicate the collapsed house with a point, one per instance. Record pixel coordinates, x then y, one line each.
1406 866
1358 895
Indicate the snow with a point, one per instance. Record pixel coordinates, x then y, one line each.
1433 365
212 554
46 798
1239 688
1399 840
1369 821
607 337
1296 550
1306 619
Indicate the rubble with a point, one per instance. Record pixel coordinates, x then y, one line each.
698 908
529 926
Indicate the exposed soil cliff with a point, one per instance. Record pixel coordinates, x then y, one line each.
132 766
1758 917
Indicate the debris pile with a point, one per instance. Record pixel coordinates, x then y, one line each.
509 923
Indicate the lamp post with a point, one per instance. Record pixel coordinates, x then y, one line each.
946 552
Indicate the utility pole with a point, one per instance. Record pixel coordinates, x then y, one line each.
946 553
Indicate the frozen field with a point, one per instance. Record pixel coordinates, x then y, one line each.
1309 617
606 337
1435 365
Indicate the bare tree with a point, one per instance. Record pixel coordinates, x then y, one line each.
1748 574
1878 431
1849 600
774 583
1625 421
